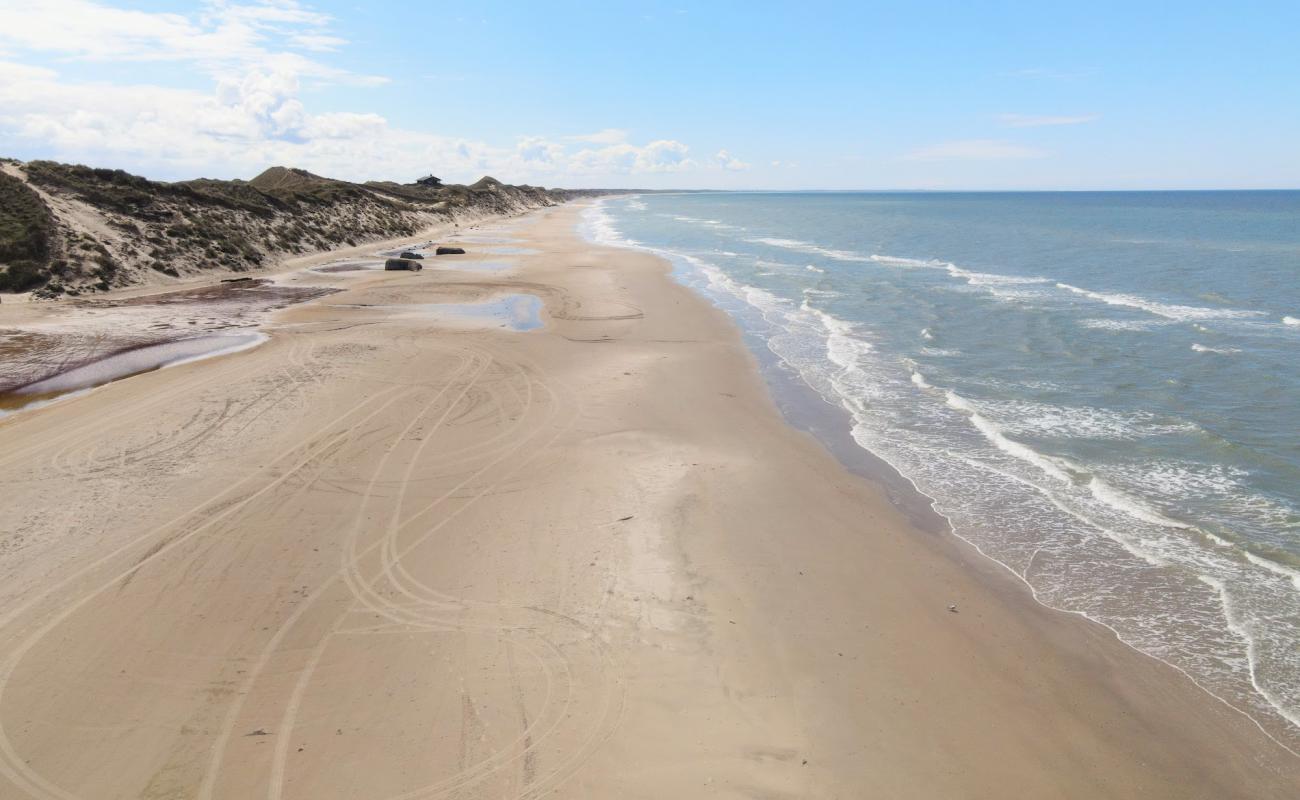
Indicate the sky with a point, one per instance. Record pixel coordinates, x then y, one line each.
657 95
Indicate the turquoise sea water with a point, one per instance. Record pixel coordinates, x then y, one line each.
1101 391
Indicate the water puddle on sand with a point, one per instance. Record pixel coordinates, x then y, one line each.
124 364
82 341
516 312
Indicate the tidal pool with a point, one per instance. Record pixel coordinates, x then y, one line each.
124 364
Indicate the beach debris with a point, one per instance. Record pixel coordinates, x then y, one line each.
952 608
258 732
403 263
625 519
444 250
409 254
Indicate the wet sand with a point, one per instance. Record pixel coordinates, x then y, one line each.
395 553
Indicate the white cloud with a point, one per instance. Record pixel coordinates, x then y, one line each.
253 117
974 150
223 38
319 42
539 151
255 120
1032 121
727 161
662 155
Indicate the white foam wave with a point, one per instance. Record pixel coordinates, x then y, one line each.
1200 348
1215 490
1167 310
1002 287
1247 633
808 247
811 268
897 261
994 434
1280 570
1130 505
926 335
1291 320
1123 324
1085 422
598 226
991 278
919 381
712 223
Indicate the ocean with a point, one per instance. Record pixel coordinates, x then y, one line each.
1098 390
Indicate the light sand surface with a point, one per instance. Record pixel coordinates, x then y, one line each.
388 556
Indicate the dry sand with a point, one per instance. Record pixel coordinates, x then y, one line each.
386 555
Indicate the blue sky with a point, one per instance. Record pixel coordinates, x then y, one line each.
1028 95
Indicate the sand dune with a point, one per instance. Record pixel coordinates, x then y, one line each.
396 554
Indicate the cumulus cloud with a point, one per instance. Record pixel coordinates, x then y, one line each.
219 39
727 161
256 119
539 151
259 56
974 150
662 155
1031 121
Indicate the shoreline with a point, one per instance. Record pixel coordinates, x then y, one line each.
828 425
598 553
831 424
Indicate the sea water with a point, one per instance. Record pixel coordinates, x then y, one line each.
1100 391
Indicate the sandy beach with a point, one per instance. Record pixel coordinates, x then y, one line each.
406 550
